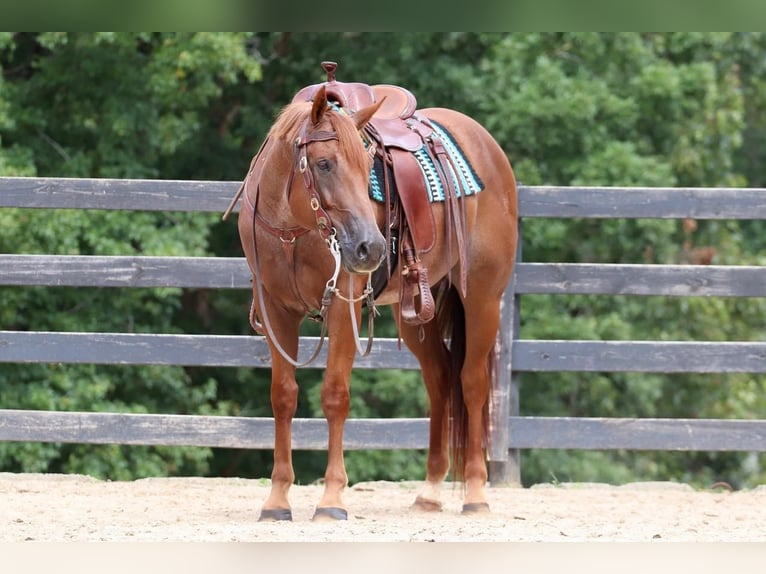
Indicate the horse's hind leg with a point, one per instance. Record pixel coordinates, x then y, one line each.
482 314
432 355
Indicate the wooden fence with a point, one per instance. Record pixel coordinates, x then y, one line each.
510 432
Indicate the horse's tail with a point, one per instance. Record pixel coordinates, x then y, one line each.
450 315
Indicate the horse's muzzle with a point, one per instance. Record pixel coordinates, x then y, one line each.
363 254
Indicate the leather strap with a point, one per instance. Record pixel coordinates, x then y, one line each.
324 223
455 208
415 273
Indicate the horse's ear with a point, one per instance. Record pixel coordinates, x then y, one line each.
363 116
320 105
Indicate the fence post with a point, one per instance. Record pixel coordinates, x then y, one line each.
504 464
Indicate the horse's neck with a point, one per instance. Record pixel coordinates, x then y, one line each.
273 176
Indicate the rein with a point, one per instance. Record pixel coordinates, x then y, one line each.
288 237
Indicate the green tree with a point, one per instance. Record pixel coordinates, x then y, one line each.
630 109
110 105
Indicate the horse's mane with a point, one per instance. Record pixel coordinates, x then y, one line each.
292 116
289 121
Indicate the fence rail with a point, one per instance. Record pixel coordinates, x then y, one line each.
517 355
364 434
233 273
534 201
527 355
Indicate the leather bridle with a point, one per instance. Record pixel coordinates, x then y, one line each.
323 221
288 237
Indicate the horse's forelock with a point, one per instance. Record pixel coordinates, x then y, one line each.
292 116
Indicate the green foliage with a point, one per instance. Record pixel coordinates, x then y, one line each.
630 109
108 105
123 104
560 102
614 109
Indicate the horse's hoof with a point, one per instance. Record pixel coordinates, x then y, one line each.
427 504
275 514
476 508
330 514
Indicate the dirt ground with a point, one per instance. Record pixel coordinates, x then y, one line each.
57 508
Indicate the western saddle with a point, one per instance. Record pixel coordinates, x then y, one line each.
395 132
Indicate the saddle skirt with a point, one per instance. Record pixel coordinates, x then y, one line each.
416 163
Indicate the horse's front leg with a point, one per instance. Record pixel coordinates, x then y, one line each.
335 397
284 402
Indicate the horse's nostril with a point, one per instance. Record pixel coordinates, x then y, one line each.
372 251
365 254
363 251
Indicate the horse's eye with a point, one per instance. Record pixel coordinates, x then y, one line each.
323 165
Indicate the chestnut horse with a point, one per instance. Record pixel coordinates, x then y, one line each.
312 236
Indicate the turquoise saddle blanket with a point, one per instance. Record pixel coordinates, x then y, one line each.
465 180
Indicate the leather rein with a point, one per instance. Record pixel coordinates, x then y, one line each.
289 235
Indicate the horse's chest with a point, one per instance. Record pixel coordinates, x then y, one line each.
298 273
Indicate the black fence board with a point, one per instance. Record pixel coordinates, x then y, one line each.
204 431
639 356
116 194
534 201
617 279
125 271
187 350
233 273
252 351
360 434
638 434
642 202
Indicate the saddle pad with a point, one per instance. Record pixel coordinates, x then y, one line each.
465 180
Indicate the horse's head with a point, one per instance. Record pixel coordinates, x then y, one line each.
335 169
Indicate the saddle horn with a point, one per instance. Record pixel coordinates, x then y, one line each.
330 68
